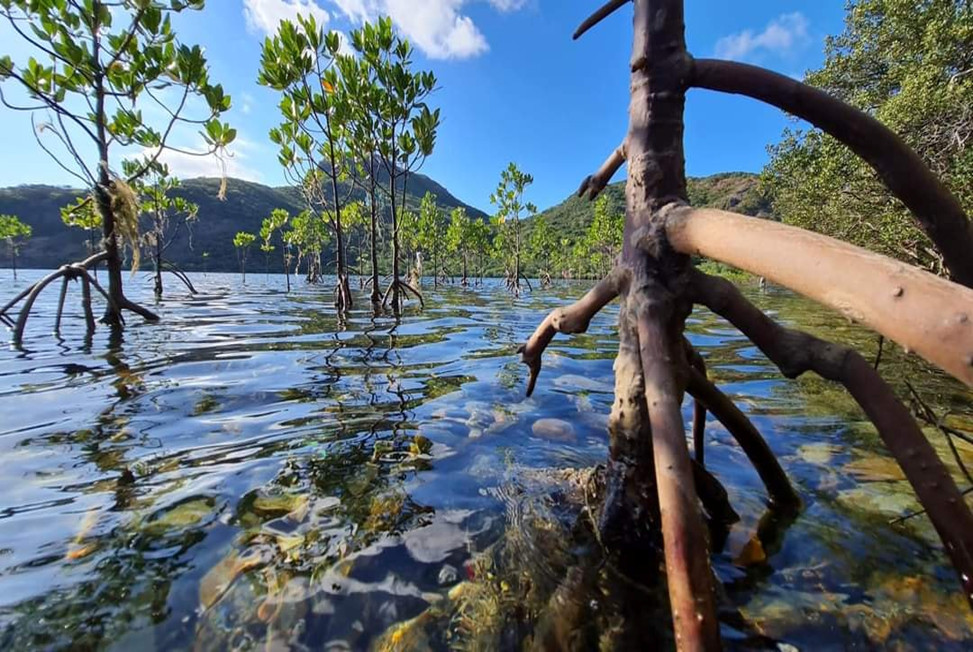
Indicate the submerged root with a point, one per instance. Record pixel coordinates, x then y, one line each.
73 272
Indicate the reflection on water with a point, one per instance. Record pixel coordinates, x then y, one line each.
256 472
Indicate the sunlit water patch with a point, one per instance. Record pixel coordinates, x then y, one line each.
255 472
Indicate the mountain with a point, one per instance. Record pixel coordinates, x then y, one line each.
732 191
245 207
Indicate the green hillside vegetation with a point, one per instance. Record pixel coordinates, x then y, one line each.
572 219
733 191
244 209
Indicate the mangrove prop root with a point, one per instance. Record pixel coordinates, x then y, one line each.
782 493
926 413
629 519
712 494
415 292
75 271
688 572
595 183
89 315
182 276
402 285
699 410
60 304
921 312
795 352
938 212
572 320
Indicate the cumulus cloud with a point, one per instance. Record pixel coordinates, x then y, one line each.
185 165
265 15
781 36
438 28
509 5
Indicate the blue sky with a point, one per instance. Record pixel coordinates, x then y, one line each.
513 85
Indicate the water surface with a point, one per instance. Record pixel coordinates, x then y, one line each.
256 473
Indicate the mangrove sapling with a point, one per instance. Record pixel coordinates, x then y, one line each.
16 234
540 247
460 239
112 59
429 235
168 217
274 226
299 61
242 241
509 200
358 85
657 286
404 122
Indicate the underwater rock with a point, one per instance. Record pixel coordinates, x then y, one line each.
554 430
819 453
447 575
219 578
575 382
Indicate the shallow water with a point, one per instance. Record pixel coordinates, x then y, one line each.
254 473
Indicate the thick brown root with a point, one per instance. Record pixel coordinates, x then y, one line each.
795 353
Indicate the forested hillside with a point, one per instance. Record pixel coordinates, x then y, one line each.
245 207
736 191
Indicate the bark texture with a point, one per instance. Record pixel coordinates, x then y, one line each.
920 311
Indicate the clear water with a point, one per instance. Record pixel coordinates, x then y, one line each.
254 473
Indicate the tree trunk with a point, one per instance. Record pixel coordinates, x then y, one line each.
396 307
648 434
376 296
287 274
158 266
344 292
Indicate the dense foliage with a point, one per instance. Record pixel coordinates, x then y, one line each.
910 64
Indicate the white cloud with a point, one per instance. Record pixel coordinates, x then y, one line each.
185 165
265 15
357 10
438 28
246 105
508 5
782 36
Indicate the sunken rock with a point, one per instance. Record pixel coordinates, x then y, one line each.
554 430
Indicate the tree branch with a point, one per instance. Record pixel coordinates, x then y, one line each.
922 312
595 183
939 213
571 320
601 14
795 352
